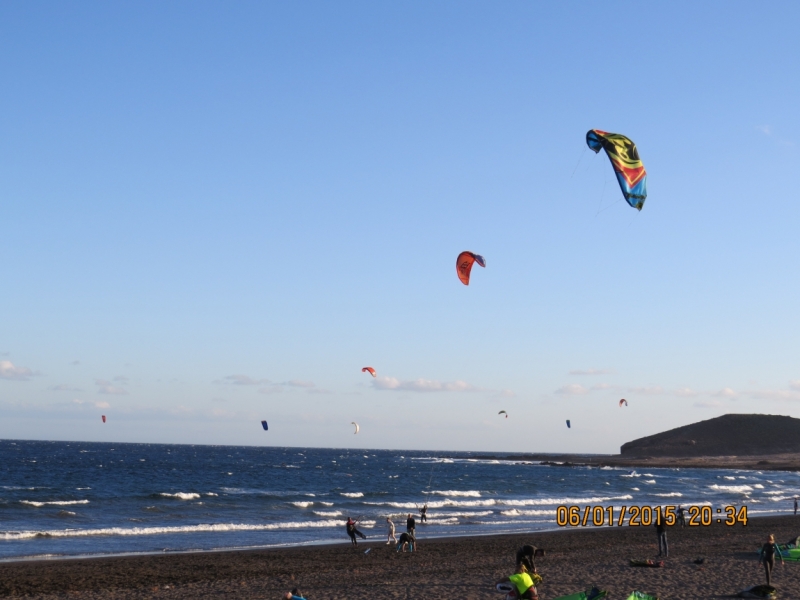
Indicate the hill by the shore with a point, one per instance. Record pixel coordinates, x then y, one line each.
728 435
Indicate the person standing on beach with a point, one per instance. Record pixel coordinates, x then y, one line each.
768 552
682 516
390 537
661 532
795 506
411 525
353 532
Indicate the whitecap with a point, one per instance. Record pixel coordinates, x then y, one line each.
181 495
328 513
303 504
670 495
732 488
54 502
352 494
455 493
650 481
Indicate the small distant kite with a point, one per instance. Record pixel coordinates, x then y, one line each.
625 160
623 401
568 424
264 425
104 418
464 264
502 412
369 370
357 427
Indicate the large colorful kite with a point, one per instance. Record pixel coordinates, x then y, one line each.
627 165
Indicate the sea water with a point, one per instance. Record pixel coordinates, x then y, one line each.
75 498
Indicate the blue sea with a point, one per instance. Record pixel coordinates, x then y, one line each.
72 498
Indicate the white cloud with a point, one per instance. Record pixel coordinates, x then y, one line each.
792 395
686 392
653 390
602 386
506 394
105 387
422 385
573 389
63 387
299 383
591 371
9 371
243 380
709 404
795 385
725 393
95 404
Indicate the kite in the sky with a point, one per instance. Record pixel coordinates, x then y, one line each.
625 160
357 427
502 412
623 401
369 370
568 425
264 425
104 418
464 264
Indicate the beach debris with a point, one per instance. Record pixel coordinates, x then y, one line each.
699 561
104 418
641 596
569 426
464 264
357 427
623 401
502 412
369 370
265 426
624 157
759 591
367 550
655 564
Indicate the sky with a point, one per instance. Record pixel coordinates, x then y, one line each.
217 213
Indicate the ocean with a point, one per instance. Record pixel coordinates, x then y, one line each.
61 499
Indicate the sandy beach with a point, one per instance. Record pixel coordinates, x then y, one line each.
442 568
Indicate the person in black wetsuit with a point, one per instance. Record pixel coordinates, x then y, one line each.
411 525
527 556
661 532
423 513
405 540
353 532
768 552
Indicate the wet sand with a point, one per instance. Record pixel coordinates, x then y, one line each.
455 568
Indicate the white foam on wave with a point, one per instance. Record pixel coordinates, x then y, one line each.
181 495
209 527
352 494
633 474
515 512
455 493
729 477
302 504
651 481
742 489
670 495
325 503
328 513
53 502
463 515
492 502
758 486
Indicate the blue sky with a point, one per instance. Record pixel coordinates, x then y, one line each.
215 213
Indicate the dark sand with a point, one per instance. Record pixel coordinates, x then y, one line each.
456 568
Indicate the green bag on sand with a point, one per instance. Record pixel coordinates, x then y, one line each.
592 594
641 596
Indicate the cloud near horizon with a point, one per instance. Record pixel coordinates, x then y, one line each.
591 372
725 392
422 385
243 380
9 371
105 387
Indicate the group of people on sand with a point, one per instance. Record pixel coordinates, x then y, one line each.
407 539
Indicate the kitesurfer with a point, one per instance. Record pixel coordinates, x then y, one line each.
661 532
523 582
390 535
423 513
768 552
795 506
353 532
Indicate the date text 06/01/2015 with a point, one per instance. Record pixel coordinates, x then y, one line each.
645 516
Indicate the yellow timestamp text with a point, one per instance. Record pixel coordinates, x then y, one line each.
645 516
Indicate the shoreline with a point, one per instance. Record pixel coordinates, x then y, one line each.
462 567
